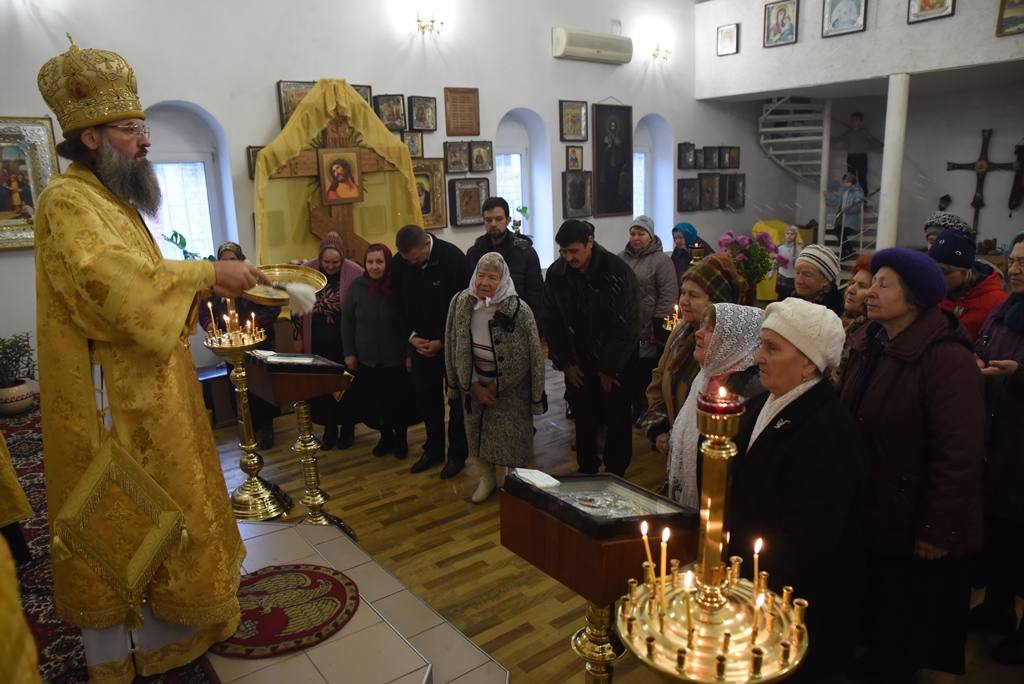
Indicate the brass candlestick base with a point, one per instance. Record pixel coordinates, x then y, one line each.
306 447
597 644
255 499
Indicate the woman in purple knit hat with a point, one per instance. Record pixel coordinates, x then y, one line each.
915 389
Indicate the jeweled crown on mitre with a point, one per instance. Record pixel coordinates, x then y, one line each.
89 87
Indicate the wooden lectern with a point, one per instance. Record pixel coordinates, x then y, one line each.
293 379
585 533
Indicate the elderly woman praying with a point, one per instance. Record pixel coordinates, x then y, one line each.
495 366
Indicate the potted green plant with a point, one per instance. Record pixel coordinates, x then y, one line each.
17 363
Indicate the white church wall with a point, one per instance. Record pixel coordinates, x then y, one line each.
226 57
888 45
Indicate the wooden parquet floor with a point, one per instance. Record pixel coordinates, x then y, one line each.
446 549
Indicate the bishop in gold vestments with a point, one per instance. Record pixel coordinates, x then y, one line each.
113 319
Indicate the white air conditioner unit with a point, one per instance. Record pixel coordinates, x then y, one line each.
569 43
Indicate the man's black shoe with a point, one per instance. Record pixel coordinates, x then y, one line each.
424 463
452 468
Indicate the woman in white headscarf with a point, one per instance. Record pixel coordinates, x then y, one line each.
495 366
725 347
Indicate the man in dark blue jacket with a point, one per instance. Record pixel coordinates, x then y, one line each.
592 325
425 274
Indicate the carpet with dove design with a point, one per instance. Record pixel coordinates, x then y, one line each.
288 608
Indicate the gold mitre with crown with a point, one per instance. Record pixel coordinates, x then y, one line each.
89 87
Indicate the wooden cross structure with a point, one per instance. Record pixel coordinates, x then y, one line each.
981 167
339 218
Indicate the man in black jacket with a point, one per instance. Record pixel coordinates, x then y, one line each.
425 275
593 327
518 252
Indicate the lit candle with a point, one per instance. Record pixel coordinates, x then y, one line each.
687 588
647 547
664 562
757 614
721 403
757 551
252 322
213 319
227 323
676 314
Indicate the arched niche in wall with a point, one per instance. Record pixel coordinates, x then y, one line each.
184 134
654 135
523 131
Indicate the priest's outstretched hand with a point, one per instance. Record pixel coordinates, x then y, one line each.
235 276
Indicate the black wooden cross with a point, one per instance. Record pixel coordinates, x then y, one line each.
981 167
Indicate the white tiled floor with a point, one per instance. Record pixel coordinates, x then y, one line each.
393 638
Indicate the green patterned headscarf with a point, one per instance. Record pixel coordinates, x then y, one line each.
716 275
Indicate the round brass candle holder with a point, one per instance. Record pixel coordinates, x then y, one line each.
724 628
254 499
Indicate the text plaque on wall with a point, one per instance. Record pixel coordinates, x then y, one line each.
462 111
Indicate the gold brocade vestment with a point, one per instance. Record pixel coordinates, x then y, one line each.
14 507
18 658
101 282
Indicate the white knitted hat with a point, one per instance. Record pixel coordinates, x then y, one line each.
822 259
812 328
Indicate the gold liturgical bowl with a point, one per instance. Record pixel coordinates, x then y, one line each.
282 274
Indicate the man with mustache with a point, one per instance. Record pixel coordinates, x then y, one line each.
152 572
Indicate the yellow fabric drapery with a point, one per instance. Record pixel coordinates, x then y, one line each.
13 503
776 231
327 99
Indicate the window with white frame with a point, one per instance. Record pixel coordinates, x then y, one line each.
639 182
511 179
185 207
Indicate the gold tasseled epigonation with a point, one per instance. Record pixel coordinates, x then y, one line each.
89 87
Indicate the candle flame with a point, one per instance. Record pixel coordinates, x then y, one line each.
688 580
722 392
643 528
758 544
664 535
759 602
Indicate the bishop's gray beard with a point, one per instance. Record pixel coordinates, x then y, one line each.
131 180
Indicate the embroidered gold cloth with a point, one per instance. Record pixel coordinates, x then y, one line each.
18 660
100 277
13 504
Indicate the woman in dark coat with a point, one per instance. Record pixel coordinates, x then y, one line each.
914 387
320 332
375 348
798 481
1000 350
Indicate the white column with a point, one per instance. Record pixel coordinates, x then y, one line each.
826 167
892 159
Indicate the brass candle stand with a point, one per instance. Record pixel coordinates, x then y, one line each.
254 499
723 629
306 447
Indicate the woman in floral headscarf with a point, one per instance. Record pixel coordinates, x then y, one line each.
726 344
320 332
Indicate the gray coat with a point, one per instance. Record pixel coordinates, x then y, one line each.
370 328
501 434
659 289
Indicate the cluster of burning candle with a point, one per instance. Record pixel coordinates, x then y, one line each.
234 334
672 321
763 607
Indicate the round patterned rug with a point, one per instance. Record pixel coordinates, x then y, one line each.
288 608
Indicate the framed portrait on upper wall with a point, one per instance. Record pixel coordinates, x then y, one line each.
391 110
28 157
925 10
577 197
429 177
687 194
250 159
422 113
710 157
574 157
467 197
414 141
839 17
289 95
456 156
728 40
780 20
613 160
365 92
572 120
698 158
685 156
1011 18
340 177
733 191
710 194
481 156
728 157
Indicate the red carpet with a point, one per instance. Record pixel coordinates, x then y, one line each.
288 608
61 655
